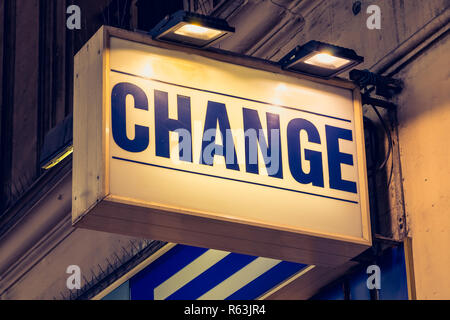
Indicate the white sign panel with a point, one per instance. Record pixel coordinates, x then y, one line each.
190 135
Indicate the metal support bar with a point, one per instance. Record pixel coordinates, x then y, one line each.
367 99
385 86
386 240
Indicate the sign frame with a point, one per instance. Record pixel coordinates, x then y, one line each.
93 207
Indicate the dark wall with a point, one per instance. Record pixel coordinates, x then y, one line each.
36 64
25 94
150 12
6 108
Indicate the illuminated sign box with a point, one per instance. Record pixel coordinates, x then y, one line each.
217 151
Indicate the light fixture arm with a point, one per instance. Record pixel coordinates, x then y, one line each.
159 25
368 100
385 86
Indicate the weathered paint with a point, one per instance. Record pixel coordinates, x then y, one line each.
424 120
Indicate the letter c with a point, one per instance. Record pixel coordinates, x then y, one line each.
119 121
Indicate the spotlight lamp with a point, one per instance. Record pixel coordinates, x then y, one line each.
192 29
320 59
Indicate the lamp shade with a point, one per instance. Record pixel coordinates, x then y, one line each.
191 29
320 59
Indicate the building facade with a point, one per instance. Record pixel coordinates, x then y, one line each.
407 157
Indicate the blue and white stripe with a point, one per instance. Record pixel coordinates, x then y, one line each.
190 273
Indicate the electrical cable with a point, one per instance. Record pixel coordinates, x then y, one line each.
392 171
202 6
386 130
390 146
388 134
122 19
299 16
